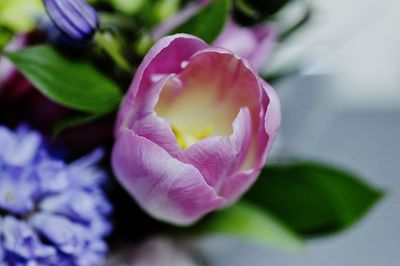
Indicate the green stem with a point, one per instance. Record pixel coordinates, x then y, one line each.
247 9
107 42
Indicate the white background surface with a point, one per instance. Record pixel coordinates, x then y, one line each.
358 42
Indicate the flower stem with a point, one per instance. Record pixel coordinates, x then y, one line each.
106 41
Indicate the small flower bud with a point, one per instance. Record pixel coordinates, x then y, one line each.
76 19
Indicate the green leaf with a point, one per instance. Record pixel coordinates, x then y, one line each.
5 36
73 83
247 221
313 198
208 22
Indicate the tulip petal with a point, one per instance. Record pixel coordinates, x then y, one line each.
164 57
220 160
242 136
234 187
268 131
219 157
157 130
151 126
167 188
216 84
273 114
213 157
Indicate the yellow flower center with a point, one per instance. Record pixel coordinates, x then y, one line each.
185 137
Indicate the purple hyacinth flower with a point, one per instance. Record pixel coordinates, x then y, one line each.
1 244
51 212
20 148
76 19
16 192
22 242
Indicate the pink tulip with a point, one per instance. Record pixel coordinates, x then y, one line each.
194 129
255 44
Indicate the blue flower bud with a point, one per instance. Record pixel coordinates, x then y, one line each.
76 19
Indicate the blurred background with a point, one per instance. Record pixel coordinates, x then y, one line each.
343 108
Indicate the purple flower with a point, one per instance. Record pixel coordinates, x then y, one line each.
76 19
51 213
255 44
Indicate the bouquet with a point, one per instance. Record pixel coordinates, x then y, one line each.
123 121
